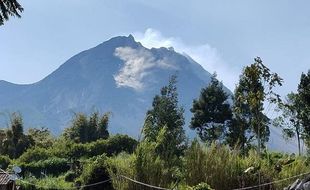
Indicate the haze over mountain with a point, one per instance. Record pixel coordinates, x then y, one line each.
118 76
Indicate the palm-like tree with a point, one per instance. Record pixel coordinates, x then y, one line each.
9 8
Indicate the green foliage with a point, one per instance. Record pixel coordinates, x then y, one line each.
34 154
5 161
13 142
255 87
122 164
195 164
41 137
202 186
84 129
9 8
298 166
211 112
289 121
303 113
111 146
151 169
166 113
52 166
51 183
223 168
94 171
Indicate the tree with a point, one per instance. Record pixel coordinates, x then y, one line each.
237 135
13 140
41 137
255 87
289 121
304 97
102 126
164 139
166 118
211 112
86 129
9 8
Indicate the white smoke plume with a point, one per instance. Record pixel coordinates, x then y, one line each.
209 58
137 65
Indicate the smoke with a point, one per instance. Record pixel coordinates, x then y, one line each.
138 64
208 57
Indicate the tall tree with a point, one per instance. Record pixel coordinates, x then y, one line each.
13 141
164 139
165 120
9 8
211 112
289 121
304 98
256 85
86 129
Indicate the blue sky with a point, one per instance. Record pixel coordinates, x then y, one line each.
223 36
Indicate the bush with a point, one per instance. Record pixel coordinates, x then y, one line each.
52 166
5 161
94 171
34 155
111 146
122 164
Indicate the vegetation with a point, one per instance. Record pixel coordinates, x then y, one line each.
9 8
224 157
211 112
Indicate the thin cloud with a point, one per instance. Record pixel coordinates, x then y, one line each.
207 56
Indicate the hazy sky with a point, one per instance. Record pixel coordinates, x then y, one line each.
223 36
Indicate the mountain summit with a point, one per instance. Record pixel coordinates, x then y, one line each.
119 75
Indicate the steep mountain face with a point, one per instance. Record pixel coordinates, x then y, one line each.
120 76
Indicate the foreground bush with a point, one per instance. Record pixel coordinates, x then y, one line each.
94 171
123 164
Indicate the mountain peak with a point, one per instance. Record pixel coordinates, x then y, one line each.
122 41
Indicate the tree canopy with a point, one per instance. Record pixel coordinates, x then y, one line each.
256 86
211 112
9 8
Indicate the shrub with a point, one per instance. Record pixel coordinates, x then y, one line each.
122 164
94 171
34 155
111 146
52 166
5 161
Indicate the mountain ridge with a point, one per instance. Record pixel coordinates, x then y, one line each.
86 79
119 75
